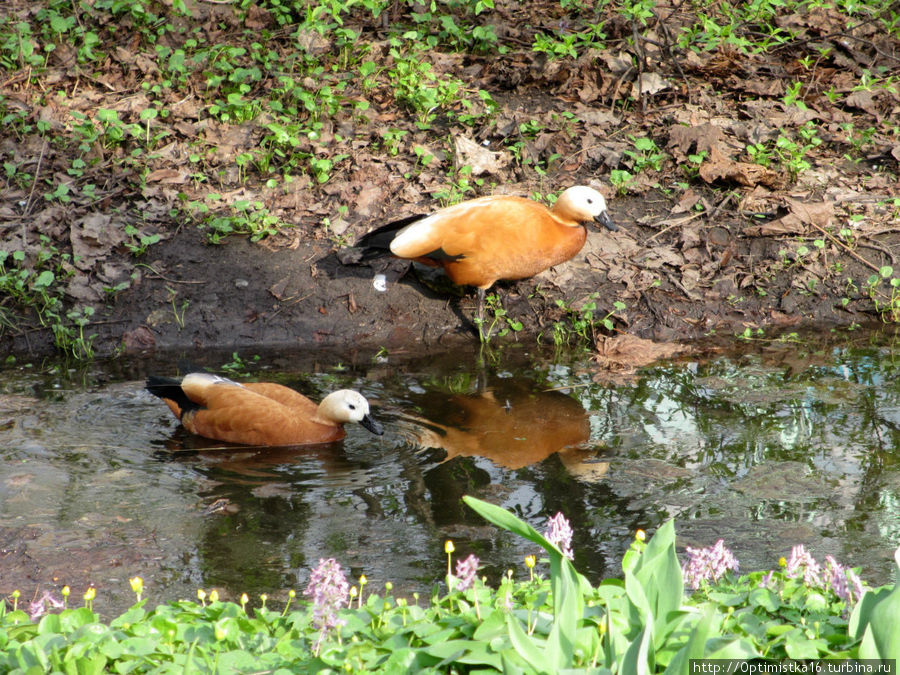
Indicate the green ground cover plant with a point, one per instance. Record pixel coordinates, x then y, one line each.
253 100
654 619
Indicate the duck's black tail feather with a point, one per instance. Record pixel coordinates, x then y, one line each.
377 243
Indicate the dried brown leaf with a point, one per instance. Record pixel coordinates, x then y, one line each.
168 176
701 138
687 202
649 83
719 167
469 153
93 237
798 221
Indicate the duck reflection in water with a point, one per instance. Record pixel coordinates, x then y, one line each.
512 425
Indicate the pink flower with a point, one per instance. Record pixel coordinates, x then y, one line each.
801 562
708 564
845 583
39 607
857 583
559 533
837 579
328 589
466 571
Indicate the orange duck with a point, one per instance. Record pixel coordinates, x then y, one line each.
259 413
481 241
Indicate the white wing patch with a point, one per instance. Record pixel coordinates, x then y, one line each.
419 238
207 379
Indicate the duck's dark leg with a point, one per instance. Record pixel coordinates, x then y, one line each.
479 316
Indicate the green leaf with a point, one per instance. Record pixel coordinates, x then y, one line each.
635 591
882 639
694 648
659 573
636 658
76 618
798 646
491 626
50 624
861 615
463 651
400 661
526 647
727 647
565 582
763 597
236 661
44 280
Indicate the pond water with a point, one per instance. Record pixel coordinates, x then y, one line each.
769 445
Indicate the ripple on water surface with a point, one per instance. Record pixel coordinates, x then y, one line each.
764 447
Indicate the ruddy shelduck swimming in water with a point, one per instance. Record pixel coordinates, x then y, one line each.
259 413
484 240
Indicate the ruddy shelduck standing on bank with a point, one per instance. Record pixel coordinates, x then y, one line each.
484 240
259 413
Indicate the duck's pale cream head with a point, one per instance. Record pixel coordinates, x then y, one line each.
346 405
584 204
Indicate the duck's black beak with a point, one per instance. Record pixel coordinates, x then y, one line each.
368 422
606 221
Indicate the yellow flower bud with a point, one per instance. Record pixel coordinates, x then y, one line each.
66 591
449 547
362 580
137 585
90 593
214 595
201 594
640 535
530 561
782 562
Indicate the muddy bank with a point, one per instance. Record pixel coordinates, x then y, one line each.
680 278
761 187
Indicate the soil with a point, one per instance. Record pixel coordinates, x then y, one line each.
243 294
731 246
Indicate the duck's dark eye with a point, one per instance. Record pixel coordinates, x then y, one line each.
590 201
352 407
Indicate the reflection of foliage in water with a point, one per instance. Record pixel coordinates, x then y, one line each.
765 449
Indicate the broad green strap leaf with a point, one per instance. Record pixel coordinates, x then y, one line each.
694 648
636 658
883 631
635 591
659 572
568 601
526 648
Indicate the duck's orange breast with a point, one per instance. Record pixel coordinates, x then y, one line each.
483 240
